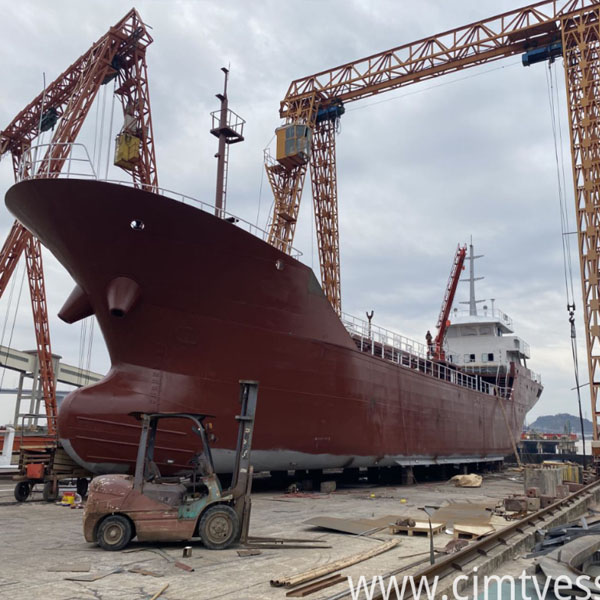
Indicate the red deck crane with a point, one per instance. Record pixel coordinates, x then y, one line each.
442 323
65 103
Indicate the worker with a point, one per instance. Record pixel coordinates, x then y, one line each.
429 339
130 125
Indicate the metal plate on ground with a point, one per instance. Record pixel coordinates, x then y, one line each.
354 526
463 513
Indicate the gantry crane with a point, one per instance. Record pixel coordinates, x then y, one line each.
119 54
442 323
540 31
313 104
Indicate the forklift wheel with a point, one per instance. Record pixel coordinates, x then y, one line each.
22 491
48 493
219 527
114 533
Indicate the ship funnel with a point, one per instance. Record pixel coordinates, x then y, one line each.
76 307
122 295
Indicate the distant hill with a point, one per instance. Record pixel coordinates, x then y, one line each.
556 424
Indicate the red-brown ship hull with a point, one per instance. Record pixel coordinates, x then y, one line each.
201 304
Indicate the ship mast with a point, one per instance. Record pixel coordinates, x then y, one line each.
229 128
472 279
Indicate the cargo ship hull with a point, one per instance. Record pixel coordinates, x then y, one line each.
202 304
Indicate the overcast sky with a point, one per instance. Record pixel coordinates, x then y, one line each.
420 169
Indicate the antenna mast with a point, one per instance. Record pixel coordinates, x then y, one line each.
472 279
229 128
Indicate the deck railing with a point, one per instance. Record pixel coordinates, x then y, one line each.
78 165
383 336
484 313
411 354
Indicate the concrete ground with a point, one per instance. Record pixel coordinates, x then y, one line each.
37 538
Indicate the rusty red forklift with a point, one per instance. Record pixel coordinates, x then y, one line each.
159 509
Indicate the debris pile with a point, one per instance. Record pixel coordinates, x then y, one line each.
472 480
559 536
544 485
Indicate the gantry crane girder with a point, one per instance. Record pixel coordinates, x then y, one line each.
120 54
574 24
510 33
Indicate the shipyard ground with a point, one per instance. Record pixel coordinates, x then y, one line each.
41 542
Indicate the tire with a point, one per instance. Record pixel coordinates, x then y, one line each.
82 487
114 533
219 527
22 491
49 495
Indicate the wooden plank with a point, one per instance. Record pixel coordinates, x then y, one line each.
159 593
420 528
315 586
291 581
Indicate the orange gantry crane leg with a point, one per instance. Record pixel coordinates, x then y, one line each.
19 240
581 49
323 176
287 185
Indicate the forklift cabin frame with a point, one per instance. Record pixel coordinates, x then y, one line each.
145 467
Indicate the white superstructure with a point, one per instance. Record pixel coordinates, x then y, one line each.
482 339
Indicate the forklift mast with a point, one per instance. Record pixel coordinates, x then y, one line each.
242 469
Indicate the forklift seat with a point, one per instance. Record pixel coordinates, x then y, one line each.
169 493
167 480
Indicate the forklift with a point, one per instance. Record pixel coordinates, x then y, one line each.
160 509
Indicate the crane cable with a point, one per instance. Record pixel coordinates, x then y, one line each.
8 311
97 103
110 127
103 101
262 168
554 103
9 307
87 338
86 343
14 320
82 340
89 349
